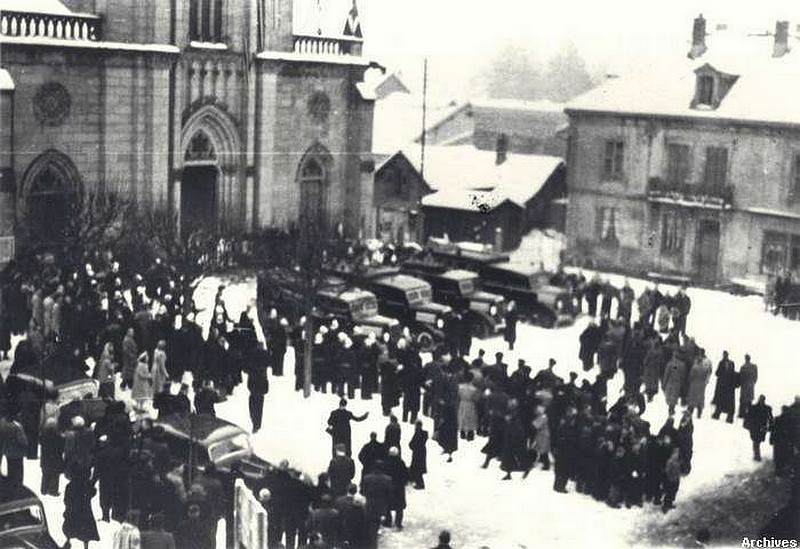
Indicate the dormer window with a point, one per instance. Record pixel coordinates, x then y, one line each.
705 90
711 87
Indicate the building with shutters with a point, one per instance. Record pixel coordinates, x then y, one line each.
235 114
692 169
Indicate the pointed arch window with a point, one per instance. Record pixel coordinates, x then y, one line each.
200 149
313 179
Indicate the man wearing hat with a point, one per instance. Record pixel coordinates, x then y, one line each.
339 426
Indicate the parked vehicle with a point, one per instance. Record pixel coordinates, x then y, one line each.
352 307
536 298
23 523
357 308
461 290
409 300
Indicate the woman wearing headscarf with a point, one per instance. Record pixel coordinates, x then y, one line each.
104 372
159 372
142 391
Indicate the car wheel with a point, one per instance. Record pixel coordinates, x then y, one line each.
546 320
481 330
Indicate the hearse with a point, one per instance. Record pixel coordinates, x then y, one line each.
461 290
536 298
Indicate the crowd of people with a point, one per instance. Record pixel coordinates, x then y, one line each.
137 335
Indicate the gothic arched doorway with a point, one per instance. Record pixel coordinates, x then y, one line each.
50 191
211 193
313 180
199 185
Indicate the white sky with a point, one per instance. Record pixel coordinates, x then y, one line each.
458 35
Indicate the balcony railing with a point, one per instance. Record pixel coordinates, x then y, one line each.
700 194
322 45
45 25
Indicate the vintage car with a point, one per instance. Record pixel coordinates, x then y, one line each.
357 308
536 299
352 307
461 290
23 524
409 300
199 439
75 394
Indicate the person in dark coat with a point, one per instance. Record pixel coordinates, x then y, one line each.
339 426
748 376
446 432
419 456
351 514
392 434
590 340
370 453
725 391
13 445
411 379
390 387
398 471
514 456
377 488
758 423
79 522
564 451
51 461
685 442
341 471
109 471
258 386
512 317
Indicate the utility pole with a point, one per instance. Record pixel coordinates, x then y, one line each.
424 115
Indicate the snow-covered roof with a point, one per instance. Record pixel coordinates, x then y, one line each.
88 44
397 121
763 91
465 200
468 178
6 82
518 105
35 6
330 59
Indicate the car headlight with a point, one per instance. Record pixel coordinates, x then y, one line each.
493 310
439 323
559 305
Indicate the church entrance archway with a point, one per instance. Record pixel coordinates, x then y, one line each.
210 192
312 177
199 185
51 190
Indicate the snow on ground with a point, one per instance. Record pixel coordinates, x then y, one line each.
478 508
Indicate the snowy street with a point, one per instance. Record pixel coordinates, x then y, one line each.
473 503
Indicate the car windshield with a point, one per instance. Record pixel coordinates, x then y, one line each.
21 518
220 450
419 295
466 286
365 307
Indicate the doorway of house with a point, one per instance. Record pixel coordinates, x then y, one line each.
707 250
199 198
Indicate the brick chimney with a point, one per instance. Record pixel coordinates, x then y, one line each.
698 37
501 149
781 46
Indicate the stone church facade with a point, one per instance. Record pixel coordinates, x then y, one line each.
227 112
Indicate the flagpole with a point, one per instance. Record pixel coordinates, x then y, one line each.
424 114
